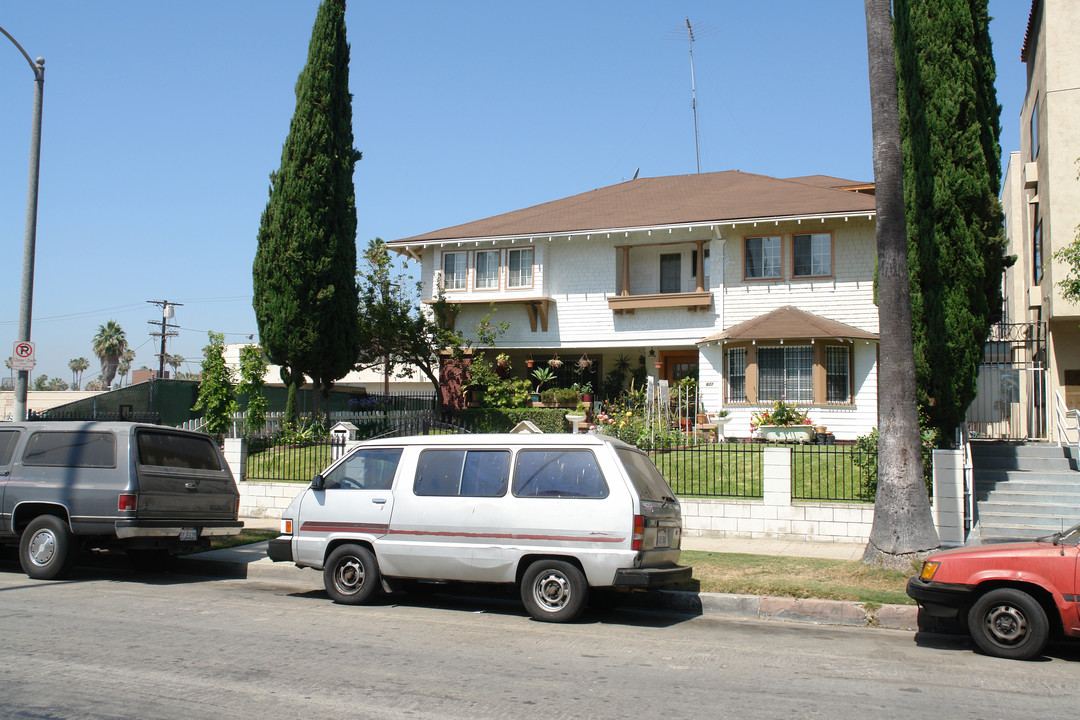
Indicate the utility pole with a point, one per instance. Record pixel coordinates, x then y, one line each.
167 313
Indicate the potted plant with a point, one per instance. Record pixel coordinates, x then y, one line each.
783 423
555 362
530 362
577 416
584 362
541 375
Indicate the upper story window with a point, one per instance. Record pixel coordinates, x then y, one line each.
520 266
1037 249
454 271
811 255
705 265
1035 129
670 272
762 257
487 270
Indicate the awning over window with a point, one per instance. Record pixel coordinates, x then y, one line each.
789 322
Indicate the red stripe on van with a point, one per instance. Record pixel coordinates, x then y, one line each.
329 527
510 536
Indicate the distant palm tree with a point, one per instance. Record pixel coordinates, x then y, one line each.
174 361
77 365
109 346
7 364
124 367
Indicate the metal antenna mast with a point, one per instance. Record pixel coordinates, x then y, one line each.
693 94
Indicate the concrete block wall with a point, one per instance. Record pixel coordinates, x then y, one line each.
267 499
948 497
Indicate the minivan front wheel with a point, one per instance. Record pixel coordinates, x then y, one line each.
554 591
351 575
47 548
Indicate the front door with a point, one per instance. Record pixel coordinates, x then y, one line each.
356 501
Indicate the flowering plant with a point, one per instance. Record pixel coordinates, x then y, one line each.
781 414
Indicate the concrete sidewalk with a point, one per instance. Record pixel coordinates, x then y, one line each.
250 561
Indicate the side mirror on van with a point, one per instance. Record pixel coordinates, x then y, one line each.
318 482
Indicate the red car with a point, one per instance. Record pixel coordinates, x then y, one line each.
1011 597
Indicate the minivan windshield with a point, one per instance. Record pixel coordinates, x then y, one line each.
648 481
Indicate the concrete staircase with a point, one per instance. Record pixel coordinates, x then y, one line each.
1023 490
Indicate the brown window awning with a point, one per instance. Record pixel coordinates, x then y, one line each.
789 322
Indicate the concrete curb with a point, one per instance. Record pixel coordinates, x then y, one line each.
250 562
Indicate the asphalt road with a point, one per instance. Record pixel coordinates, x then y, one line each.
108 643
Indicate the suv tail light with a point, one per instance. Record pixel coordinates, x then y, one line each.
236 506
639 532
127 502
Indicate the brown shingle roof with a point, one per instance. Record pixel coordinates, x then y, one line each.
790 322
663 201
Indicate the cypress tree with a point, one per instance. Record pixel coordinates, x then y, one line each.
956 246
305 293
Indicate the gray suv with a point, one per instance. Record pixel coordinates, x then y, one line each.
148 489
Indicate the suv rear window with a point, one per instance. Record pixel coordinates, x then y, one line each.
8 438
648 481
558 473
71 449
177 451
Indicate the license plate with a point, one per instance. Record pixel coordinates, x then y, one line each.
188 534
662 537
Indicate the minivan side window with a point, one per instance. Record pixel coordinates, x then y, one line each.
177 451
8 438
558 473
71 449
465 473
367 469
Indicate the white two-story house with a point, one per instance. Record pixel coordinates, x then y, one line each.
760 287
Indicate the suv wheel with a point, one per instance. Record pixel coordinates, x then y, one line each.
554 591
47 548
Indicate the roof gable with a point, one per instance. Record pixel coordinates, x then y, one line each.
789 322
666 201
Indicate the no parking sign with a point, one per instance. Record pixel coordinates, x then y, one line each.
22 356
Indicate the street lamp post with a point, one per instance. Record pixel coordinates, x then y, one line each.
26 299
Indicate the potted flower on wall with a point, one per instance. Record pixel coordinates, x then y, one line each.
783 423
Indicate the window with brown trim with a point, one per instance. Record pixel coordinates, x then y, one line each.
763 257
811 255
487 270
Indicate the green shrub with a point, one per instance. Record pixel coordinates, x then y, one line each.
499 420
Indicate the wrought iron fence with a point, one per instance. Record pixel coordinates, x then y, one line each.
713 469
832 472
152 418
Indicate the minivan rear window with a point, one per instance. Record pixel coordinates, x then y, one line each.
648 481
71 449
174 450
558 473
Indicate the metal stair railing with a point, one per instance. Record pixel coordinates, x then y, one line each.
1068 423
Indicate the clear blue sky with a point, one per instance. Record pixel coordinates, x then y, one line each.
162 122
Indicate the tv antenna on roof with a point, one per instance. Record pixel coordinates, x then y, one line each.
693 94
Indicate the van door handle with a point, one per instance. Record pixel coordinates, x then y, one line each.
379 501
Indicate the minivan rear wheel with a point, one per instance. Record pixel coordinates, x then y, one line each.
351 575
47 549
554 591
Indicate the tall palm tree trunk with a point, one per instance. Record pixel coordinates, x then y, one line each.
903 526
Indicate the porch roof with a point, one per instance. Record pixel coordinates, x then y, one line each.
790 322
642 203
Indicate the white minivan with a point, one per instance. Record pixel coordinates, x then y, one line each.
554 514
